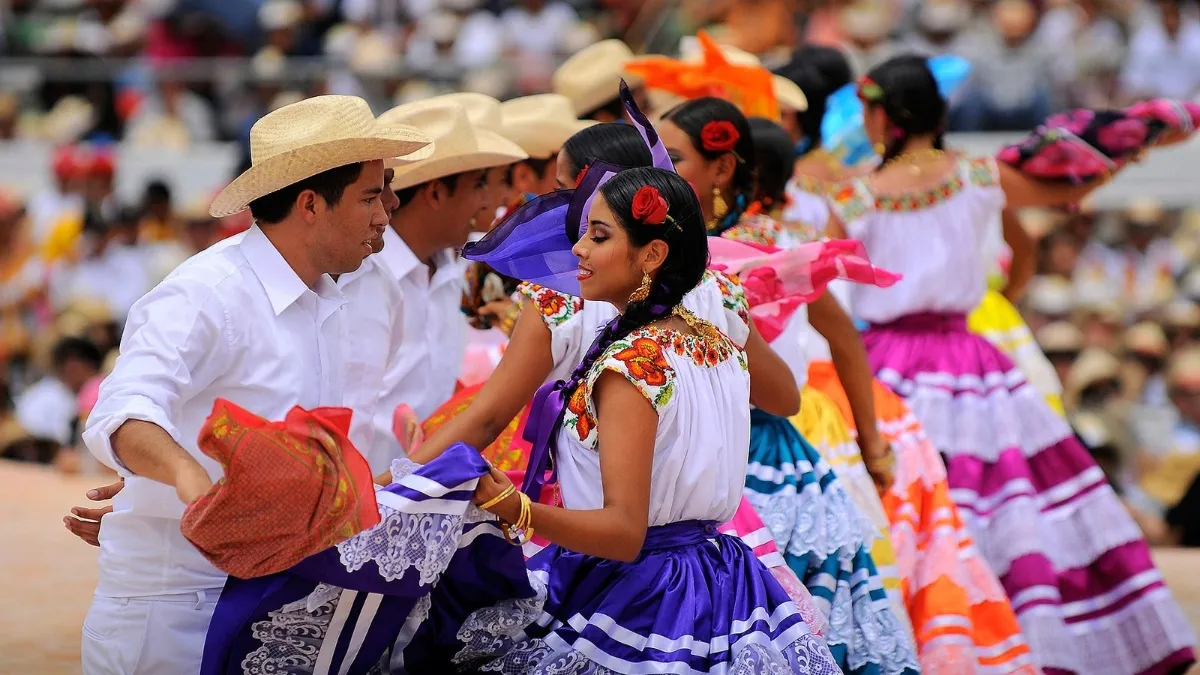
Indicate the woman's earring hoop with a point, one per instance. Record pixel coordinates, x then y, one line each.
642 292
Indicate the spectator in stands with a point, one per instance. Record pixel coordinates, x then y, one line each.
157 217
1164 54
174 116
106 269
48 409
1012 82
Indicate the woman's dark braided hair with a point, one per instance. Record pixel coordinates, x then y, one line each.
775 161
908 94
611 142
691 116
682 270
818 71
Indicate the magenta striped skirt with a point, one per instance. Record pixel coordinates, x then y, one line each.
1073 562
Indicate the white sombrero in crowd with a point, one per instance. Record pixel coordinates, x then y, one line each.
458 145
591 78
541 123
304 139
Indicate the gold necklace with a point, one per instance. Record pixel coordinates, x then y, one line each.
700 326
912 159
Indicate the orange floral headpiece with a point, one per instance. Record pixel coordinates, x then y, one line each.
751 88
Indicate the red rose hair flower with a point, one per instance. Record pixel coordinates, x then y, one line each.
719 136
649 207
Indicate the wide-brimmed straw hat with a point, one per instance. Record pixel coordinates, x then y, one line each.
591 77
482 110
304 139
459 146
541 124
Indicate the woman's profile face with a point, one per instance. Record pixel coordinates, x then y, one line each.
689 163
563 178
608 269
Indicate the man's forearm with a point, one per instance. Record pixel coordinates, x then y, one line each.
147 450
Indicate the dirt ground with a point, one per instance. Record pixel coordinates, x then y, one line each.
47 576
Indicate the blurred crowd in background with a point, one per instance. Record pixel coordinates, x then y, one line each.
167 74
1114 303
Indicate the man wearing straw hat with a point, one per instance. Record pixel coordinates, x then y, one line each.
257 320
483 112
541 125
441 200
591 79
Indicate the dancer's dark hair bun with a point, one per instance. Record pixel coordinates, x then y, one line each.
774 160
692 116
911 100
612 142
818 71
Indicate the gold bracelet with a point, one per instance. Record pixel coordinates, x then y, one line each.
884 463
504 494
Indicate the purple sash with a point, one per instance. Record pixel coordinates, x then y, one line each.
540 430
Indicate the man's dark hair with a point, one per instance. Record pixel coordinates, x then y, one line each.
613 107
406 195
80 349
157 191
331 185
539 167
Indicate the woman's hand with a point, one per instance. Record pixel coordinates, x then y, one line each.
880 460
492 485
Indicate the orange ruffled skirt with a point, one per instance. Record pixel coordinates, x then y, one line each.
962 619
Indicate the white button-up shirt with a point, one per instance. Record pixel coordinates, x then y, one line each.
372 333
235 322
433 339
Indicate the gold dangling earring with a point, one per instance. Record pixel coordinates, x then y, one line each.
879 149
642 292
720 208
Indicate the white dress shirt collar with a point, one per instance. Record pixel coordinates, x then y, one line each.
400 260
282 284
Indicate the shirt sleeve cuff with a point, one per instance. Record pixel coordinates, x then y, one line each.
98 436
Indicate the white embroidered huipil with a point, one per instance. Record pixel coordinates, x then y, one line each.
703 436
944 268
233 322
432 342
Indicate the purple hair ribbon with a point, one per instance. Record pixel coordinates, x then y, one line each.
662 160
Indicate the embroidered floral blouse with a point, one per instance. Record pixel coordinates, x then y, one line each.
573 324
699 386
935 237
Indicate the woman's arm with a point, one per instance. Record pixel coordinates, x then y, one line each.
627 426
1024 256
772 385
525 365
850 361
1023 191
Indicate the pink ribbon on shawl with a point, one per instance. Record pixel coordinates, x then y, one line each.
777 281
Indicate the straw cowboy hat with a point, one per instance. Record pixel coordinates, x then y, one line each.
304 139
591 78
458 145
1058 337
1092 367
1146 338
1144 212
787 93
1184 368
483 111
540 124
